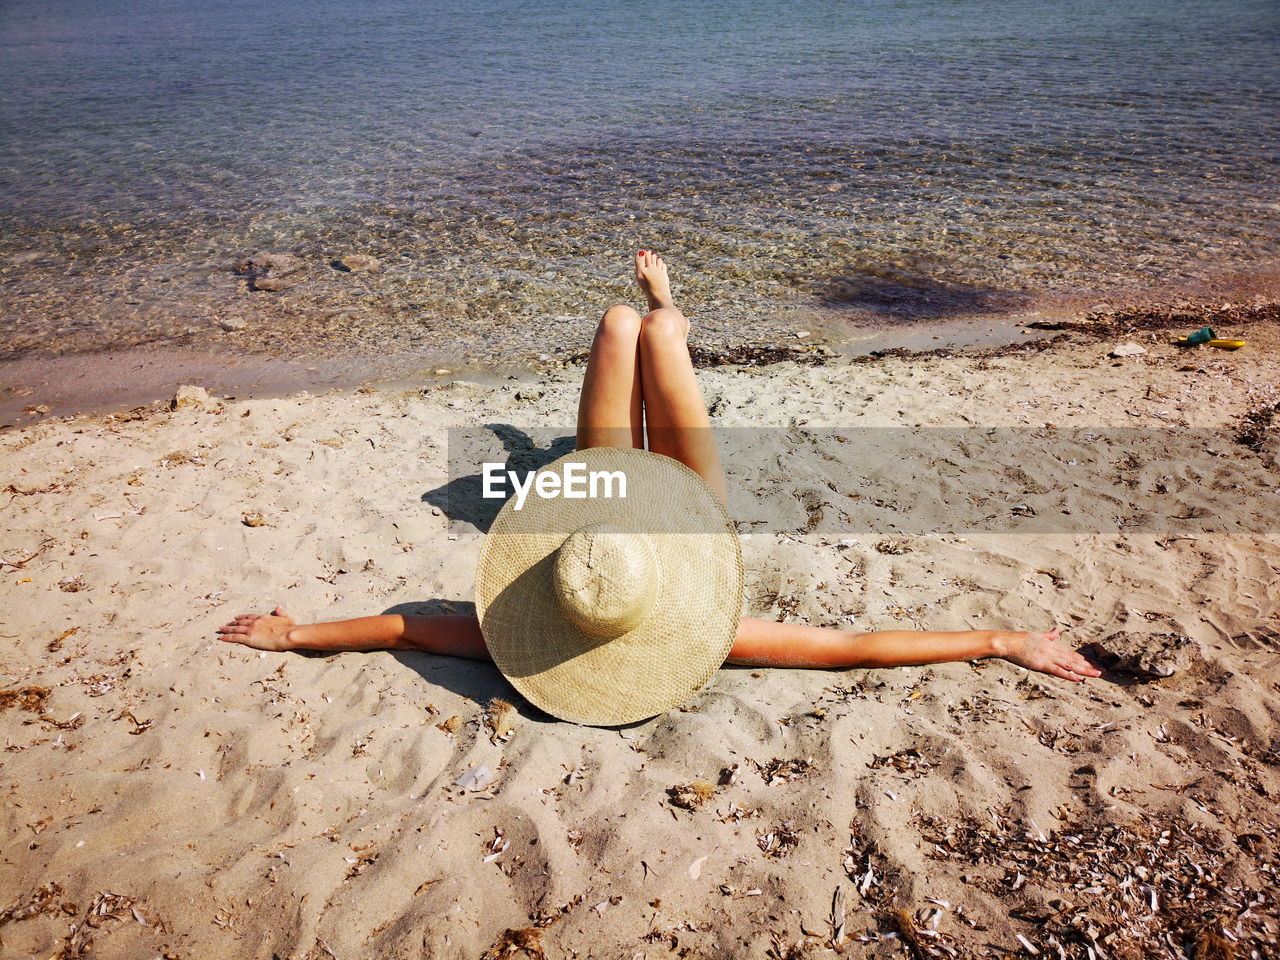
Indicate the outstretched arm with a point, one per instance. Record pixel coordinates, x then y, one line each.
455 636
760 643
764 643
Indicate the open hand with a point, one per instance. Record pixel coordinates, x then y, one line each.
262 631
1043 652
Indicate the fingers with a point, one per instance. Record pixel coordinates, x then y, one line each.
1078 664
1067 663
1074 667
241 624
1060 666
1084 668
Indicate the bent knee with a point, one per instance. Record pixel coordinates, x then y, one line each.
667 323
620 321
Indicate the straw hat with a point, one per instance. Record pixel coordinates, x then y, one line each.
605 610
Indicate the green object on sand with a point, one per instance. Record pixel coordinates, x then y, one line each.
1203 335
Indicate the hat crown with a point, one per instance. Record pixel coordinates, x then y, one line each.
605 579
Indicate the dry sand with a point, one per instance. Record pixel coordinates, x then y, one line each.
168 794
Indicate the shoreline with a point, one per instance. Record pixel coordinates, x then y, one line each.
89 383
96 383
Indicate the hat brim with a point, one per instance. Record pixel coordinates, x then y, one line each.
685 635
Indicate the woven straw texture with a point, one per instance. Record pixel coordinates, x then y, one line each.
670 519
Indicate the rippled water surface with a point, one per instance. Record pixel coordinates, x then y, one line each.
798 161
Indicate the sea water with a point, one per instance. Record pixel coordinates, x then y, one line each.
797 162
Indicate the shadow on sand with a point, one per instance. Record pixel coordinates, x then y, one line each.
461 500
476 680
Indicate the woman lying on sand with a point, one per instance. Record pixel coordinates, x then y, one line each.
639 370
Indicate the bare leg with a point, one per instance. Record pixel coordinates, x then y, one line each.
675 414
610 413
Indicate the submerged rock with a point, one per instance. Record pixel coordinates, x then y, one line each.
233 324
357 263
268 264
267 271
274 284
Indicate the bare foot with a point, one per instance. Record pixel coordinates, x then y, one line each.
261 631
1043 652
651 274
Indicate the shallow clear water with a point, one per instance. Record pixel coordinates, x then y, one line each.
799 160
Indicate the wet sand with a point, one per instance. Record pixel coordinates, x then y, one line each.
284 347
85 383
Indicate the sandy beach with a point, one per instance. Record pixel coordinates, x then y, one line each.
167 794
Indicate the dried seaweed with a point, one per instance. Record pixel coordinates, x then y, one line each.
798 950
904 761
43 900
779 841
56 643
906 925
106 907
1154 888
978 707
866 868
1257 425
357 865
499 720
784 771
139 726
517 943
549 915
690 796
837 919
1111 323
19 564
30 698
